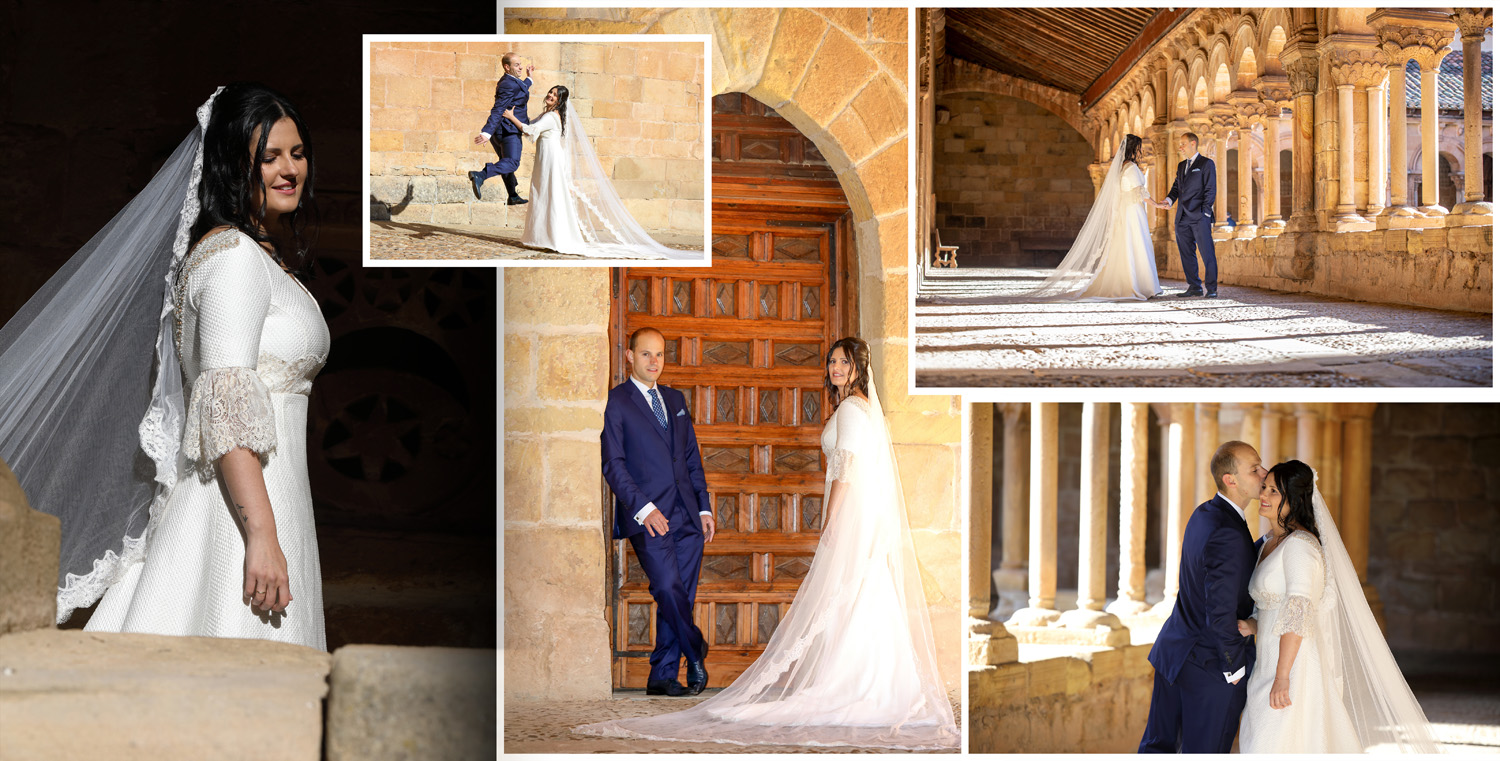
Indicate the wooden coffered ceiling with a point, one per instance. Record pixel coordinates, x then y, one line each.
1066 48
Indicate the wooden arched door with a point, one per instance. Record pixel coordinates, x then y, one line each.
745 340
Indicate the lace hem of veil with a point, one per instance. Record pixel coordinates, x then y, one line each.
160 428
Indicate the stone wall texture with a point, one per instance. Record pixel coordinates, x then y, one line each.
1439 268
641 104
1090 703
1434 525
1011 180
840 77
29 542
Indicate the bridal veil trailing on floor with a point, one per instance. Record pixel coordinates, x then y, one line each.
852 662
574 208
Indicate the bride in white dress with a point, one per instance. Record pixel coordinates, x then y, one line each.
229 547
852 662
1112 257
574 208
1324 680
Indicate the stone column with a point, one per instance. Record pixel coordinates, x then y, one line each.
1247 110
1134 442
1308 433
1013 505
1040 608
1474 210
1429 64
1375 99
1354 526
1161 180
1174 131
1270 434
989 643
1093 512
1097 173
1250 433
1300 59
1208 441
1181 475
1224 125
1398 213
1275 92
1330 460
1352 68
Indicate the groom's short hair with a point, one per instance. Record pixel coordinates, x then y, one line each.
508 57
647 331
1192 136
1226 458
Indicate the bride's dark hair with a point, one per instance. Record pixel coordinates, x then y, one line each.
1132 147
231 170
1294 479
562 108
858 353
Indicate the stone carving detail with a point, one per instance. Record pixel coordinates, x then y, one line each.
1473 21
1359 68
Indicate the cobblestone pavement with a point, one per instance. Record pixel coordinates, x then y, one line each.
1246 337
544 727
420 241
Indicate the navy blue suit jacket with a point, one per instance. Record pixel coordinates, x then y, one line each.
1213 593
1194 190
643 463
510 92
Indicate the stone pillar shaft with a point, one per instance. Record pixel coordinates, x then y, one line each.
1397 129
1208 441
1273 169
1041 606
1304 163
1093 506
978 476
1134 443
1375 98
1181 472
1473 116
1430 205
1221 164
1346 151
1246 190
1014 503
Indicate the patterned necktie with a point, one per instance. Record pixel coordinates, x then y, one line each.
661 413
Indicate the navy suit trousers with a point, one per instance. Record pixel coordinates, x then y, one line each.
508 148
1200 713
1198 235
671 562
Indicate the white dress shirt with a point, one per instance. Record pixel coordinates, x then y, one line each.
486 135
640 517
1228 677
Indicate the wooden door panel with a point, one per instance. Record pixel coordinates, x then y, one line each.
745 342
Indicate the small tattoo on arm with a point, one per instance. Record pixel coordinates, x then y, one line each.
244 520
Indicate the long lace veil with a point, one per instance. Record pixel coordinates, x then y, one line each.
815 684
604 219
1084 258
91 435
1386 715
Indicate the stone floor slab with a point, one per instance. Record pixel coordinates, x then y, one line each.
1247 337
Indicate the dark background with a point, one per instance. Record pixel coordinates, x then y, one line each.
401 447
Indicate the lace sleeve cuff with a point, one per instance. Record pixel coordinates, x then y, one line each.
1295 617
1137 194
230 408
840 465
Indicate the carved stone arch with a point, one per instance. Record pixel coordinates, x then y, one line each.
1218 58
963 76
1247 37
1271 20
1179 96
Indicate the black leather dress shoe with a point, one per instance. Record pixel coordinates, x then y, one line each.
669 687
697 677
475 181
1211 295
515 201
1190 292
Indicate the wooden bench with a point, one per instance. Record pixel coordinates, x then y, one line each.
943 256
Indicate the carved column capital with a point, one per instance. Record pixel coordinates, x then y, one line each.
1472 22
1300 60
1360 67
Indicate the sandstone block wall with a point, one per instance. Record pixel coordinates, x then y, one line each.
1090 703
1434 525
641 104
29 542
556 381
1440 268
1008 174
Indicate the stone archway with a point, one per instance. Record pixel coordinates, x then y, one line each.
840 77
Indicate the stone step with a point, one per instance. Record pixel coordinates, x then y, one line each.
72 694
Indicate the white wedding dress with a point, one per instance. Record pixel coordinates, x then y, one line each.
574 208
852 662
250 339
1127 270
1288 587
1347 693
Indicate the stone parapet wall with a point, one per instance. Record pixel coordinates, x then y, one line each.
1011 180
641 104
1440 268
1434 561
1090 702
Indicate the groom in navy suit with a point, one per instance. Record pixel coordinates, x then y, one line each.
1194 191
511 92
1201 660
652 465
